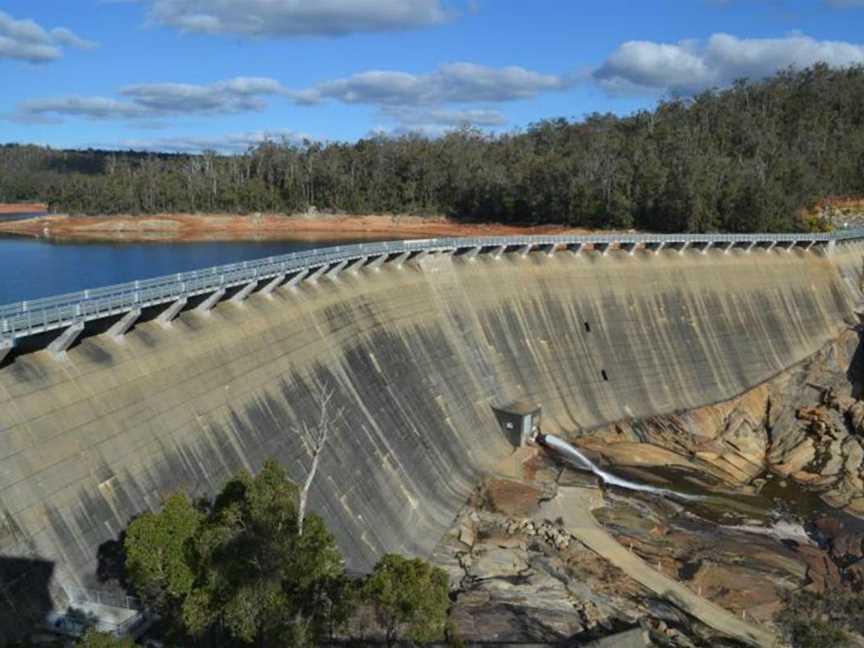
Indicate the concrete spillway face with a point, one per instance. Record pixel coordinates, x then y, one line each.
416 357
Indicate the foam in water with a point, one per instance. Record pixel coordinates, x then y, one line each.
574 456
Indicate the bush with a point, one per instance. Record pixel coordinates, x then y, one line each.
821 620
410 598
95 639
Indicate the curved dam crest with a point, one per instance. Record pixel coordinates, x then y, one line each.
417 356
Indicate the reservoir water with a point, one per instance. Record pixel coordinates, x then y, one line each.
33 268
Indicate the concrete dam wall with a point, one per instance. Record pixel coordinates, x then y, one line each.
417 357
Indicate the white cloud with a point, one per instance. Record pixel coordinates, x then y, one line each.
441 119
231 143
47 111
156 101
693 65
424 102
291 18
26 40
450 83
412 101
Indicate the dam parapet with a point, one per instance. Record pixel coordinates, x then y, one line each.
71 312
419 343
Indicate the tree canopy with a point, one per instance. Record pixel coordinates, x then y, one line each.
95 639
744 158
241 567
410 598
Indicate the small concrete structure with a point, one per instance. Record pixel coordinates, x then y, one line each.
318 273
207 305
119 329
6 346
66 339
377 262
296 279
243 294
400 260
521 421
167 316
272 285
602 247
422 254
333 272
472 253
356 265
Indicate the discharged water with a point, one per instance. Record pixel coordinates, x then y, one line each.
576 457
33 268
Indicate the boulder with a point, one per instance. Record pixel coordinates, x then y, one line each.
493 562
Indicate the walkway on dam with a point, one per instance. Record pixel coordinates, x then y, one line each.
574 506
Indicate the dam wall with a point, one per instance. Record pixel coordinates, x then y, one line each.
417 356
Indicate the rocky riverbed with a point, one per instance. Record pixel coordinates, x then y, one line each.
776 505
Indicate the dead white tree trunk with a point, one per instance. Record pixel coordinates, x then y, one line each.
317 436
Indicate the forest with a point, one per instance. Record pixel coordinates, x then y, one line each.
757 156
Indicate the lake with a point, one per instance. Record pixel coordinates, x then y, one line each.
33 268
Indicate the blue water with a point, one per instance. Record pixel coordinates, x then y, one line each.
33 268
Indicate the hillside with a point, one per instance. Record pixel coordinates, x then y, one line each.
755 156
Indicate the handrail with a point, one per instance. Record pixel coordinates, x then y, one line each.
50 313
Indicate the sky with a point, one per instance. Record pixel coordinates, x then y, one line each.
190 75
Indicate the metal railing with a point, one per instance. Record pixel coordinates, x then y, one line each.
103 597
40 315
81 615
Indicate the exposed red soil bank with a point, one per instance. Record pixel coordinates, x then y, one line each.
23 208
192 227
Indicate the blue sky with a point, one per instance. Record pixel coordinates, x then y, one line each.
193 74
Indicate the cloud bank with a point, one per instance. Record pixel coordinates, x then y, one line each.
411 101
688 66
230 143
293 18
26 40
154 101
450 83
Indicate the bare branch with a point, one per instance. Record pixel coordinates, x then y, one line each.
318 438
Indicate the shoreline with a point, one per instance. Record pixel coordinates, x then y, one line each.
259 227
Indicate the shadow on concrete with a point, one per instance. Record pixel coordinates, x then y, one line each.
855 372
111 564
25 596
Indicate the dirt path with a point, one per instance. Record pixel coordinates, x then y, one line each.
574 506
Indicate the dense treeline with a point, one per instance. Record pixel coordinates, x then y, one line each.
749 157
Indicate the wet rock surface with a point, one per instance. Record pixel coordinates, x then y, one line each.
776 479
520 579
